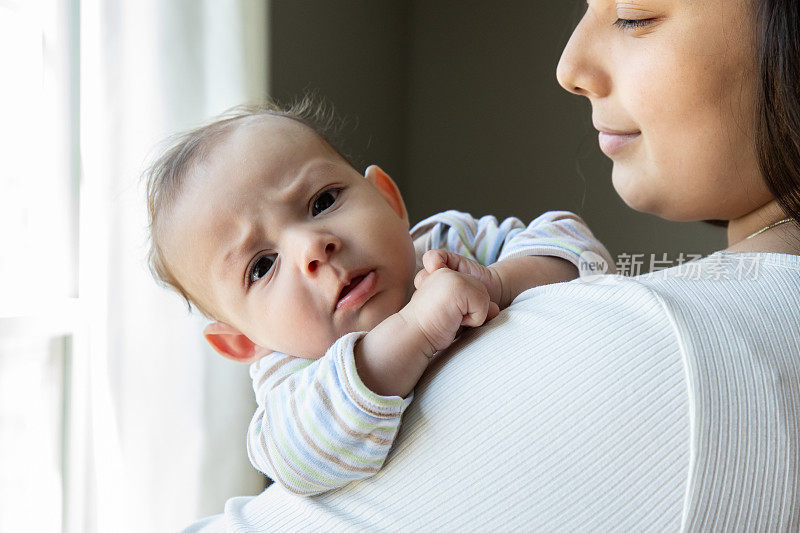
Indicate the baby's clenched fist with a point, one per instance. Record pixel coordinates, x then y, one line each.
444 301
433 260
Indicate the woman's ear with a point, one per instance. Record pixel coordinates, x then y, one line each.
388 189
231 343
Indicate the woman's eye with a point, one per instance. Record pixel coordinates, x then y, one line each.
324 201
261 267
625 24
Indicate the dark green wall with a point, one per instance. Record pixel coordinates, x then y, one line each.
354 54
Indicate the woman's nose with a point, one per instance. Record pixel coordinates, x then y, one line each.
318 248
579 71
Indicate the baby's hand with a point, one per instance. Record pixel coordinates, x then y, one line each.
444 301
433 260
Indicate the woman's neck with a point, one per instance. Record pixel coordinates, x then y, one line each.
783 238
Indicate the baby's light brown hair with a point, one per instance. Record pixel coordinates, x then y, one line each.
167 175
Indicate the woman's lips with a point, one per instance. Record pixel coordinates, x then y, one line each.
358 292
611 143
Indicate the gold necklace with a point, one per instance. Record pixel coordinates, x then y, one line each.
762 230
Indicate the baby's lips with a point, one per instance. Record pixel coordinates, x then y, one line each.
359 290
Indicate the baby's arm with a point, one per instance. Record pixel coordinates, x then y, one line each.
548 250
393 356
320 425
316 426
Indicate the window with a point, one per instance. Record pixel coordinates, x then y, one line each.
40 308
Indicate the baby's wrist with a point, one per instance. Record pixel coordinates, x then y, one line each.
518 274
498 291
391 357
419 342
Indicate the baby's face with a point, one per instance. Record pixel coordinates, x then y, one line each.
287 242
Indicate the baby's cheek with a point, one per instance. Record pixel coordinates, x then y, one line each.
304 332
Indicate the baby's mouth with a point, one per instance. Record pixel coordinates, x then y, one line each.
360 289
350 286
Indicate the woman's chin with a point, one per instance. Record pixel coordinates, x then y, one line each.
637 196
662 209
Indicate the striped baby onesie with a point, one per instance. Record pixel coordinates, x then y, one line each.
316 426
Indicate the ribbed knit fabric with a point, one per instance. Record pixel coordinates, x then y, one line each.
659 403
745 419
317 427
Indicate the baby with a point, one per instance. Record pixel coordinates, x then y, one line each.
309 273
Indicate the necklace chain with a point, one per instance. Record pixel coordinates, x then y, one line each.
762 230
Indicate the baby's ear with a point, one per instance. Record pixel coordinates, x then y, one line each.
231 343
388 189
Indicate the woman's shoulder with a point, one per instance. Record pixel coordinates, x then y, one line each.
700 307
733 293
720 286
729 324
737 316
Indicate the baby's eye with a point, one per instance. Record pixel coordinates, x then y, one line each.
261 267
324 201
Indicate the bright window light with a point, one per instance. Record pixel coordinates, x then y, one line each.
36 261
31 428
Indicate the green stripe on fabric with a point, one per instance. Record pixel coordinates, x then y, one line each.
301 466
340 451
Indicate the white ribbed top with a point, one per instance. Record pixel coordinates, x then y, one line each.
654 403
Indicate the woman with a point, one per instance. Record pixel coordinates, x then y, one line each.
663 402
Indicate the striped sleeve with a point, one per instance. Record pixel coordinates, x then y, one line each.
317 426
555 233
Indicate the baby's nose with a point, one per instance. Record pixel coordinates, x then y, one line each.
318 251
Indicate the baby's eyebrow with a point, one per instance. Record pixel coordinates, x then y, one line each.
232 257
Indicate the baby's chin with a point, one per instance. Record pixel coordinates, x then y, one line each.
368 317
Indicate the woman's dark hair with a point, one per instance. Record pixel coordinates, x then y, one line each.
777 125
778 101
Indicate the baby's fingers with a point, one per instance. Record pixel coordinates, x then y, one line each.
420 278
433 260
480 316
436 259
477 307
475 316
494 310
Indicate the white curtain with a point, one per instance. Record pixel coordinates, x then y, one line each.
168 416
